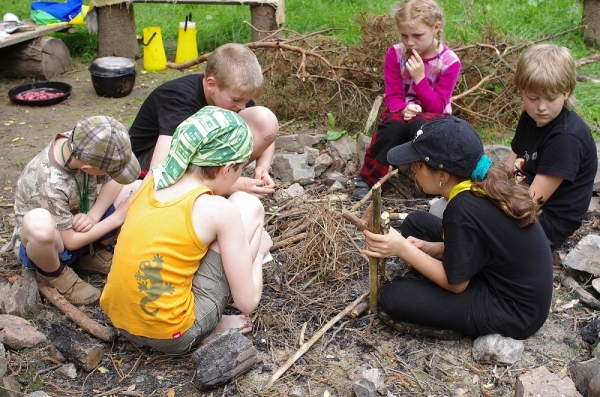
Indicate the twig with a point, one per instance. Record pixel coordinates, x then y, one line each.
374 263
107 334
288 241
269 382
342 325
370 192
474 88
43 371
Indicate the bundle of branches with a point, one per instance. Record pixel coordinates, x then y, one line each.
313 74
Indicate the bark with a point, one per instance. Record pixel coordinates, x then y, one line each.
43 58
116 32
591 18
263 20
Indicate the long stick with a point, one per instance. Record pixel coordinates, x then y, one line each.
373 261
106 334
269 382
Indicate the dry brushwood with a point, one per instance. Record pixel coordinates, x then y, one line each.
307 74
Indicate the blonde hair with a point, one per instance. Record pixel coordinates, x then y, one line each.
235 66
428 12
547 69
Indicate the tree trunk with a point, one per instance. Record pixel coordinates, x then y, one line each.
43 58
591 18
116 32
264 20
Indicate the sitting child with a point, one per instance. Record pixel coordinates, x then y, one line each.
553 151
58 213
184 248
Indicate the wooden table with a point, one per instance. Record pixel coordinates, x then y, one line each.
32 31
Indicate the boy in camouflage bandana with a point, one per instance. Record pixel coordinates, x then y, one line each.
58 213
184 248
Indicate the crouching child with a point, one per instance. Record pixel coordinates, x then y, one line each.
185 249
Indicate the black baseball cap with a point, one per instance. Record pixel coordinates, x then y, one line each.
447 144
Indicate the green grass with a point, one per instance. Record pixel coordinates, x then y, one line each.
467 22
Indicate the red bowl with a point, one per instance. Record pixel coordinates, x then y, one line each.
47 86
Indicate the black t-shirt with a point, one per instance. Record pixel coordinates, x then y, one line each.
165 108
564 148
510 267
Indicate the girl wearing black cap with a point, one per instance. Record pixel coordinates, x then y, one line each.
485 267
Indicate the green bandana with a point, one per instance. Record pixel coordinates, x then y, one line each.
211 137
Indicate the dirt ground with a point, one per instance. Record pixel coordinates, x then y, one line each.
293 297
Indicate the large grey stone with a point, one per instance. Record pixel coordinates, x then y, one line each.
296 143
585 256
16 333
497 153
346 147
289 167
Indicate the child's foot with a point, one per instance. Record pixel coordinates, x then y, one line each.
239 322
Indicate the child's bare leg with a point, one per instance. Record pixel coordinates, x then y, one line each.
240 322
42 239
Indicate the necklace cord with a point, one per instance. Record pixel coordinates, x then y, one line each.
84 200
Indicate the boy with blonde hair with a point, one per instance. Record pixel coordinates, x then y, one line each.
553 150
184 249
59 215
233 77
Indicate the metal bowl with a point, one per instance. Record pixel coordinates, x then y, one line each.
48 86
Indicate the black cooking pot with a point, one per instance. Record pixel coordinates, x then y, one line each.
113 77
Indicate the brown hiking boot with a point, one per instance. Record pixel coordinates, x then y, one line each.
98 263
69 285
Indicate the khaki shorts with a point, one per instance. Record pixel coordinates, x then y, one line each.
211 293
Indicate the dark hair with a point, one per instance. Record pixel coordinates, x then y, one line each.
512 197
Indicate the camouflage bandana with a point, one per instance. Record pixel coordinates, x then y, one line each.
211 137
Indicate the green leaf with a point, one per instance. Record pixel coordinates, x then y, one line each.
331 120
103 370
335 135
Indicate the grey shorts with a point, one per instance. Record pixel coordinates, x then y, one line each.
211 293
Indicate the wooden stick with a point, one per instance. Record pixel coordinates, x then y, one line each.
288 241
373 261
356 221
370 192
101 332
269 382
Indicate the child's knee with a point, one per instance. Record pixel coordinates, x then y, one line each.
39 225
248 202
262 123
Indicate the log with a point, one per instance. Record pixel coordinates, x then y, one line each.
76 346
116 32
42 58
223 358
584 296
107 334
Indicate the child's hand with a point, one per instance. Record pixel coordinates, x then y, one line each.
415 67
423 245
411 111
256 187
383 245
263 175
82 223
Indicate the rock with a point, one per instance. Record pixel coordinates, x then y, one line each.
337 187
16 333
21 296
497 153
496 349
541 382
312 155
596 284
594 386
585 256
590 332
289 167
321 163
297 143
335 176
583 372
346 147
369 384
3 361
10 387
68 371
363 141
294 190
38 393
